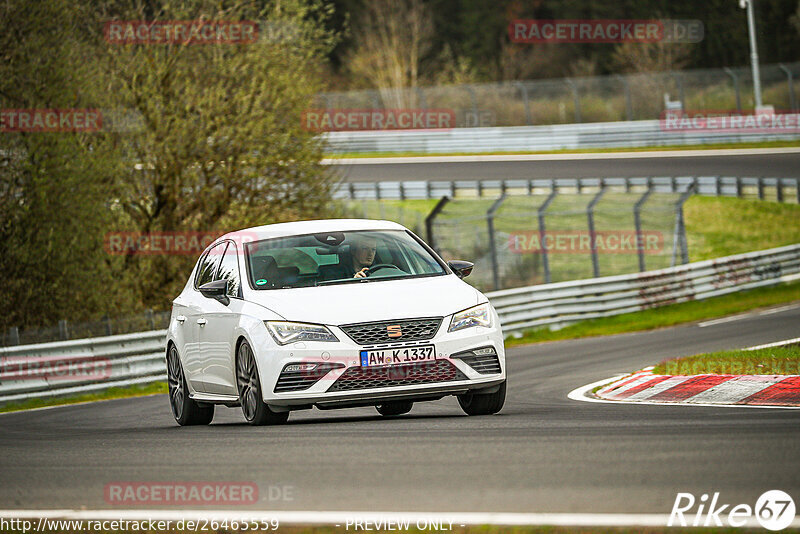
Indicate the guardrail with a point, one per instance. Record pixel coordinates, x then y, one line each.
625 134
49 369
779 189
563 303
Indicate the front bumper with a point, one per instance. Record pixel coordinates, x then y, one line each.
326 392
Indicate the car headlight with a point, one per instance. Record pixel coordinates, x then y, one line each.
480 315
285 332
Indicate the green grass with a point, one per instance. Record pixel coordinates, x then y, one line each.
108 394
763 144
673 314
769 361
719 226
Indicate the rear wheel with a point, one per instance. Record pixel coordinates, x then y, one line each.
185 410
483 403
255 411
389 409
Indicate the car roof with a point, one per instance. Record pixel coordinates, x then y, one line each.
268 231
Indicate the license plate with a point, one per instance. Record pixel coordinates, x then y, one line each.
397 356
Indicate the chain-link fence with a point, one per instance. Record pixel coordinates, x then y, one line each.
65 330
587 99
518 241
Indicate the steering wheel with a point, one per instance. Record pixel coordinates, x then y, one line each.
379 266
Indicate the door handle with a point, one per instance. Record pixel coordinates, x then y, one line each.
201 322
180 318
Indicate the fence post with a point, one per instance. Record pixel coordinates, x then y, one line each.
431 217
627 90
679 80
107 321
790 79
377 190
778 190
637 221
735 78
590 220
13 336
63 331
524 91
679 238
352 188
797 189
542 233
473 99
738 187
492 245
150 318
575 97
760 188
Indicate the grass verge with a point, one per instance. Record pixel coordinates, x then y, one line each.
111 393
765 144
769 361
685 312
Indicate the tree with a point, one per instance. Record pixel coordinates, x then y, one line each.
392 37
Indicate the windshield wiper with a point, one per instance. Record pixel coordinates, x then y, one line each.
343 281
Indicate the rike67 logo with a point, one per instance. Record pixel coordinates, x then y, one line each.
774 510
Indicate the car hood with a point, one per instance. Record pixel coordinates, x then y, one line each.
371 301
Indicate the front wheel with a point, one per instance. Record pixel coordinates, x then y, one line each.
483 403
393 408
185 410
255 411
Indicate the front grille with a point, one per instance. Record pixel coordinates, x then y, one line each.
400 375
301 380
485 364
376 333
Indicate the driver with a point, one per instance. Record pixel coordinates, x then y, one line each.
363 254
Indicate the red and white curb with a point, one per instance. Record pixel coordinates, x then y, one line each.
761 390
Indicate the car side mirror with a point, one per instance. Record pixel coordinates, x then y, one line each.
217 290
461 268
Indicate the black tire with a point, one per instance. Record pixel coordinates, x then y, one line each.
255 411
393 408
483 403
185 411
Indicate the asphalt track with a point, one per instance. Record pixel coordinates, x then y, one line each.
580 166
542 453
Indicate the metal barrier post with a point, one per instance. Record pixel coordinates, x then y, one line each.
13 336
679 238
524 91
627 90
637 221
492 245
63 332
575 97
590 220
790 80
542 233
735 78
430 218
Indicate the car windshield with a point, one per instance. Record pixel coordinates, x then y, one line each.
338 258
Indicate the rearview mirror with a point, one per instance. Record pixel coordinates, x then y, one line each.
461 268
217 290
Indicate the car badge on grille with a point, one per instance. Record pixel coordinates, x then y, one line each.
393 330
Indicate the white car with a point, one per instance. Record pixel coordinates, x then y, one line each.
330 314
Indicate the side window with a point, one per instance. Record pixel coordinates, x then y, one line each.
209 264
229 270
